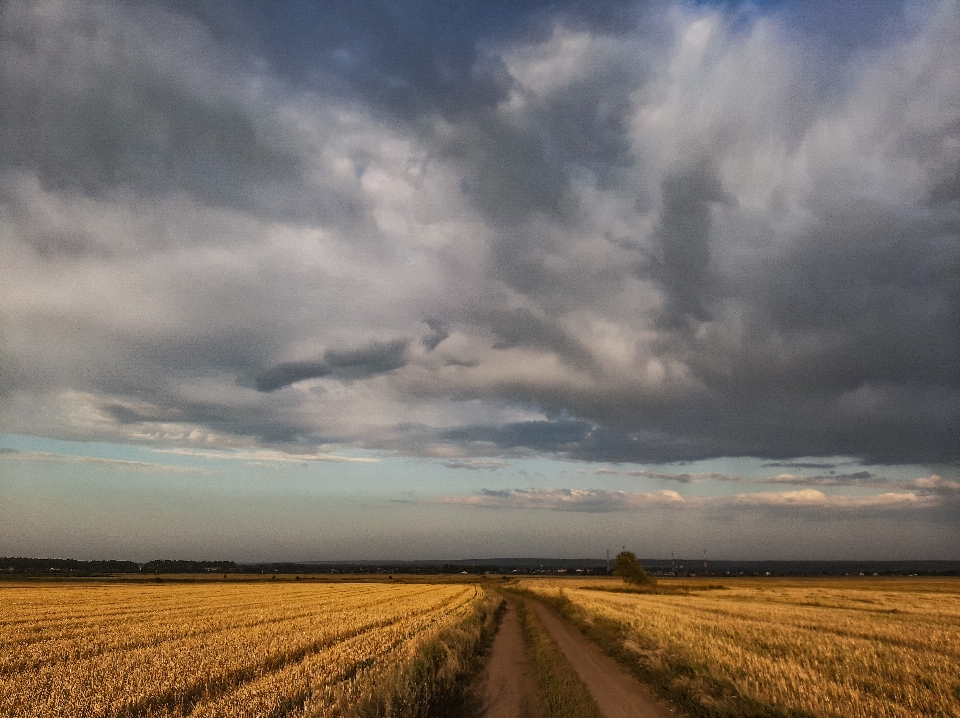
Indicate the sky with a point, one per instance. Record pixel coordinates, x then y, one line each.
431 280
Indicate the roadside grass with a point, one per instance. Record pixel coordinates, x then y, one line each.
693 688
438 680
564 694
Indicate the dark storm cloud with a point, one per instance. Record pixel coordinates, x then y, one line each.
438 332
159 413
841 28
132 125
127 415
143 101
289 373
508 171
605 443
689 232
414 61
415 57
213 151
377 358
685 225
878 291
520 328
583 441
855 335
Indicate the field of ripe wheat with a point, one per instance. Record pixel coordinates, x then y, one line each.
211 649
842 648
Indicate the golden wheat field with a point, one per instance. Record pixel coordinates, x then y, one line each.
210 649
838 648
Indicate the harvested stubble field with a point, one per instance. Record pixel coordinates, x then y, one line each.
209 649
837 648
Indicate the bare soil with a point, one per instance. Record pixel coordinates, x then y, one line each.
509 689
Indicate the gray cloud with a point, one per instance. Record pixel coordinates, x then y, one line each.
684 478
536 435
377 358
475 464
856 478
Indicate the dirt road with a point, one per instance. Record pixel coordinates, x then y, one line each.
618 694
510 689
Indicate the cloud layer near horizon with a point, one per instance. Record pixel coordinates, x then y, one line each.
629 234
602 501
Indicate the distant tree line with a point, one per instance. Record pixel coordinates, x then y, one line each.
59 566
73 567
66 566
181 566
454 568
632 567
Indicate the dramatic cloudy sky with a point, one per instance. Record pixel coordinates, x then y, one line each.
432 279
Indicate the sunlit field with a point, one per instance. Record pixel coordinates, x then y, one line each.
850 648
211 649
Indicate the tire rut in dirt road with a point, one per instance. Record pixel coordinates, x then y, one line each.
618 694
509 689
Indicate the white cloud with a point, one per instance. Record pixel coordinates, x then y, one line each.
937 485
815 498
587 500
599 501
125 464
264 455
